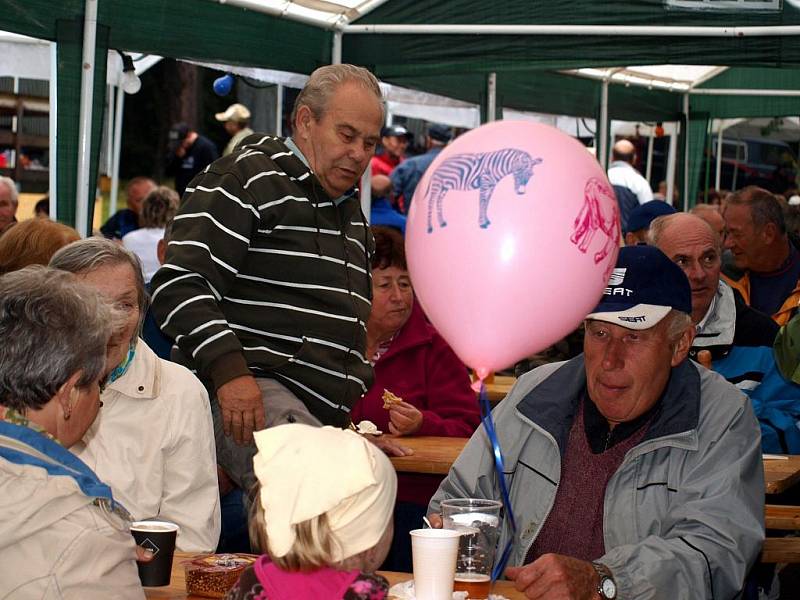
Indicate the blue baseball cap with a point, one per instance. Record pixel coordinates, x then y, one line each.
644 286
440 133
643 215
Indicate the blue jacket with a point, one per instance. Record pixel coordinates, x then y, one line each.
407 174
740 340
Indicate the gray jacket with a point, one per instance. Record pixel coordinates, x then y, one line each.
684 514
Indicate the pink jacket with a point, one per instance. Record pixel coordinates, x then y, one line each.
422 369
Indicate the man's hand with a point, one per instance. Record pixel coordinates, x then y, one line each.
404 419
435 519
144 555
242 408
556 577
389 446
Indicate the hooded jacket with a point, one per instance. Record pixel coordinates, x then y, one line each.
61 535
740 340
267 275
684 513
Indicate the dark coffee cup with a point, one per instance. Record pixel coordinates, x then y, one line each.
158 537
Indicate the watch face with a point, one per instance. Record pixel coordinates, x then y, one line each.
608 588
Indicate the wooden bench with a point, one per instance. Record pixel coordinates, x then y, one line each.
781 549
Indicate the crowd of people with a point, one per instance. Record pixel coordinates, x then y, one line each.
205 359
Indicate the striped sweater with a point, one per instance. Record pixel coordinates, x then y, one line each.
265 274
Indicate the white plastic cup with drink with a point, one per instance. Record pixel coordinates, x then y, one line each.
434 552
477 522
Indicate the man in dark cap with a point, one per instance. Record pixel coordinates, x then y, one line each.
394 141
407 175
633 472
640 218
189 153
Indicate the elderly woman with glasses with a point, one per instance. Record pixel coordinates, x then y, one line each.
62 534
154 441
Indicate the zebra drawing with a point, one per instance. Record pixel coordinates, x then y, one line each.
478 172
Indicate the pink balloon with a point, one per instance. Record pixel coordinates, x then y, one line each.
511 237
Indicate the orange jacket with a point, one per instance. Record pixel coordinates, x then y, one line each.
787 309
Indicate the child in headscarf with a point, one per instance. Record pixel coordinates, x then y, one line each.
323 516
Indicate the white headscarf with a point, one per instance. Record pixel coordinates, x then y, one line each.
307 471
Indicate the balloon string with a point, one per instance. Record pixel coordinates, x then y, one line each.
488 425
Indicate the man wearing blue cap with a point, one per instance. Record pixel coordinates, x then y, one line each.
407 174
640 218
633 472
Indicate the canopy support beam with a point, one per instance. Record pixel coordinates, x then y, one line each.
491 97
119 106
685 199
602 150
576 30
85 125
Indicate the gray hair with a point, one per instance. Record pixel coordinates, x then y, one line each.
324 81
12 189
679 322
84 256
764 206
52 327
159 207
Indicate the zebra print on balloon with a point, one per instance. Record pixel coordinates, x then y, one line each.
481 171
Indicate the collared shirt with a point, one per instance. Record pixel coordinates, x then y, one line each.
294 148
600 436
709 312
153 443
622 173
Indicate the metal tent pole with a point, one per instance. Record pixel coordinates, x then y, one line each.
686 145
119 105
53 134
491 97
336 49
672 161
602 151
82 193
650 145
718 177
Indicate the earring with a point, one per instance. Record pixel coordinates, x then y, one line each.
67 414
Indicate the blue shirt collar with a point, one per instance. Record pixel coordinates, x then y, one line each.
295 150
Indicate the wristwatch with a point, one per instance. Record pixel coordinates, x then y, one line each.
607 587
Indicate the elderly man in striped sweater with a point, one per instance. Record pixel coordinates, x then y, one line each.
266 287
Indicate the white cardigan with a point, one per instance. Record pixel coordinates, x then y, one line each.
153 443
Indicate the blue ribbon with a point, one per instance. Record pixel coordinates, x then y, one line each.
488 425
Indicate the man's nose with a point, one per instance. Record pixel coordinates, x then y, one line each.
614 355
727 242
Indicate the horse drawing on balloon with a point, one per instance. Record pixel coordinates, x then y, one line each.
593 217
482 172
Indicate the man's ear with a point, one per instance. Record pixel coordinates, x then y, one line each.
161 251
302 124
682 346
769 233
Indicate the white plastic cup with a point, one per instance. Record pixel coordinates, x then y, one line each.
434 552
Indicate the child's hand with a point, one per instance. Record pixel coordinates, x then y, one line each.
404 419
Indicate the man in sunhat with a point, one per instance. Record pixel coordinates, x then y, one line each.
632 471
236 120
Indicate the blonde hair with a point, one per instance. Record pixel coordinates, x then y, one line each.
324 81
314 547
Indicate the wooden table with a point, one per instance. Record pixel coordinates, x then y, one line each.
436 455
176 590
781 474
498 388
431 454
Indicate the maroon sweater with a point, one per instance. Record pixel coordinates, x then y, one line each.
424 371
574 526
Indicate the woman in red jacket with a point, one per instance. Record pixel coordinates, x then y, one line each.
413 362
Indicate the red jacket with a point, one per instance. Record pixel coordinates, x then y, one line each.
421 368
383 164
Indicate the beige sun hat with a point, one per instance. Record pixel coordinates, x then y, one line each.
235 112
